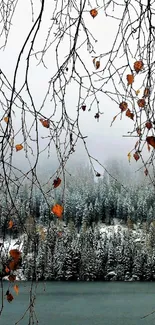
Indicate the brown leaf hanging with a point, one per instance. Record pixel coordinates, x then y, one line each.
123 106
9 296
146 171
138 66
45 123
15 253
130 78
93 13
141 102
151 141
97 64
18 147
12 278
146 92
6 119
129 114
136 156
56 182
148 124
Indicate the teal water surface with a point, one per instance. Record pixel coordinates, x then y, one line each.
84 303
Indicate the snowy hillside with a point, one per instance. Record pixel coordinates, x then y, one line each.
114 252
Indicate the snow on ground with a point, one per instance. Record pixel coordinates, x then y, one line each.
17 243
9 244
137 233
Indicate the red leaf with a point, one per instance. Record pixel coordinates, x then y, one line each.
9 297
15 253
148 124
136 156
56 182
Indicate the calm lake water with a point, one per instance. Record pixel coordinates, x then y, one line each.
84 303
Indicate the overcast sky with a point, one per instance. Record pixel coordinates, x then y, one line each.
103 141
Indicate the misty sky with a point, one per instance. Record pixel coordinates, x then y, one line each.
103 141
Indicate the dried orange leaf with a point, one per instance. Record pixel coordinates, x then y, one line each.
93 13
129 114
114 118
16 288
138 66
57 210
151 141
6 119
7 270
10 224
129 156
15 253
18 147
56 182
137 92
130 78
45 123
97 64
